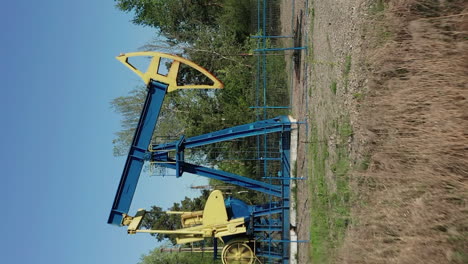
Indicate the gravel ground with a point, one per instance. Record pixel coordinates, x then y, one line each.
332 31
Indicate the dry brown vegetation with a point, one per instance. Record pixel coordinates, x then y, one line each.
398 69
411 204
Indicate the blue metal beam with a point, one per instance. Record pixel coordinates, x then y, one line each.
227 177
265 212
138 151
269 255
277 124
270 229
279 49
285 190
270 107
256 37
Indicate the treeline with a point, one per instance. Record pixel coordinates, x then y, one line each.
216 35
158 256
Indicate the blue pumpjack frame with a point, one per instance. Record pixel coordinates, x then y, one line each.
224 176
139 153
274 125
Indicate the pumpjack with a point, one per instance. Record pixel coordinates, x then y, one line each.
250 233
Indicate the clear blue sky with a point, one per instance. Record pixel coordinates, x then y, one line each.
58 173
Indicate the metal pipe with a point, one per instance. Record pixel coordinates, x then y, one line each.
279 49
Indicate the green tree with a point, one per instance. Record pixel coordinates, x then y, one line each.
178 20
182 20
130 107
157 219
156 256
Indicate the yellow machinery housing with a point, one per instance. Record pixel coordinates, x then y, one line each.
211 222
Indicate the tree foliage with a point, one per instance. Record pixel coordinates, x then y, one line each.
157 219
156 256
182 20
130 107
176 19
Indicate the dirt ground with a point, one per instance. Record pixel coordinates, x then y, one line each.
396 72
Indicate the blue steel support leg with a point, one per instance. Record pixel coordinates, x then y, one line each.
271 37
215 248
273 125
179 156
227 177
286 191
279 49
138 151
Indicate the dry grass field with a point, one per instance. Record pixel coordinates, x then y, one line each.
384 89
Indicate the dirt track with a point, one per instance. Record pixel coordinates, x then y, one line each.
399 80
331 29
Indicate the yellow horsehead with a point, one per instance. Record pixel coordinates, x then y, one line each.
171 78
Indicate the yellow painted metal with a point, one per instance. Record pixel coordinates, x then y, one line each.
238 252
133 222
171 78
215 210
211 222
200 232
233 227
178 231
189 218
177 212
188 249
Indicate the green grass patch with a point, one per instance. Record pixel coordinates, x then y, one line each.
383 34
378 7
358 96
365 162
347 66
333 87
344 130
329 205
329 43
319 231
311 48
